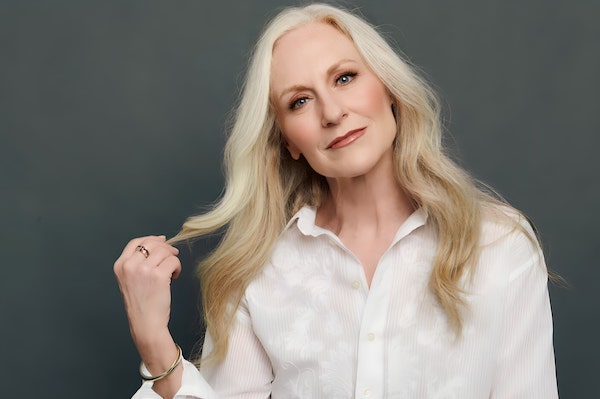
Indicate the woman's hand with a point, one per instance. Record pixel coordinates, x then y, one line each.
144 272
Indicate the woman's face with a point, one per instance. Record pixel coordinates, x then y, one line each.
329 105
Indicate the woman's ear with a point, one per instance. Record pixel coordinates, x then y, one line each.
293 150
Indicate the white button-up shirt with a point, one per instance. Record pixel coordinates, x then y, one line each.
309 326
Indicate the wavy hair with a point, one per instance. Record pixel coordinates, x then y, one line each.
265 187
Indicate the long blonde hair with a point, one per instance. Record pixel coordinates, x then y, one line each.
265 187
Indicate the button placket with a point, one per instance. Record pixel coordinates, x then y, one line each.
370 375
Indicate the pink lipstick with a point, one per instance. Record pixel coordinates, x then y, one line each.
346 139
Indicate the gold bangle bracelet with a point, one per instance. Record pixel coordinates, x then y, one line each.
166 373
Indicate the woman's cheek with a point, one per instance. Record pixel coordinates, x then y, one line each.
374 97
299 133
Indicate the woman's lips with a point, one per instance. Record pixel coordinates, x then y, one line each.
346 139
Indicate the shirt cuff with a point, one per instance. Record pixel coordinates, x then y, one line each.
193 386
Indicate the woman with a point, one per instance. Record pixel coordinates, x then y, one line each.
358 260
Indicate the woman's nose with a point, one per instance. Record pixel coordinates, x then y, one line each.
332 110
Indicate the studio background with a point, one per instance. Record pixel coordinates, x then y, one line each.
112 121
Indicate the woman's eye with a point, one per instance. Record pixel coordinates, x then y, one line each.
298 103
345 78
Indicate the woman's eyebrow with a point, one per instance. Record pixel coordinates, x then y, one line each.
292 89
329 71
337 65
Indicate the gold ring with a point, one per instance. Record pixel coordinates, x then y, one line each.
143 250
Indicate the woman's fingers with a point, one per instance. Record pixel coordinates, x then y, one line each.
172 266
152 249
142 255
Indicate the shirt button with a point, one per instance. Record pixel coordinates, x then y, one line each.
368 393
356 284
371 337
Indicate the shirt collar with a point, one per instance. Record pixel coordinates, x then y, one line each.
305 218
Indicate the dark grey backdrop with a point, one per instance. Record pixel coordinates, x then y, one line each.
111 126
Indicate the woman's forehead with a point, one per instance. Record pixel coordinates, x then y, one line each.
309 49
307 31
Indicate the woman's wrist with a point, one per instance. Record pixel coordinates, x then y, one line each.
147 377
157 352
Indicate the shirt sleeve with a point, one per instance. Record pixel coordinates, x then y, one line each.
526 366
193 386
246 371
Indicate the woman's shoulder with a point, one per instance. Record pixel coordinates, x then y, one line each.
508 238
503 222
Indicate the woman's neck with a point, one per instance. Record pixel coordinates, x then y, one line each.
373 203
